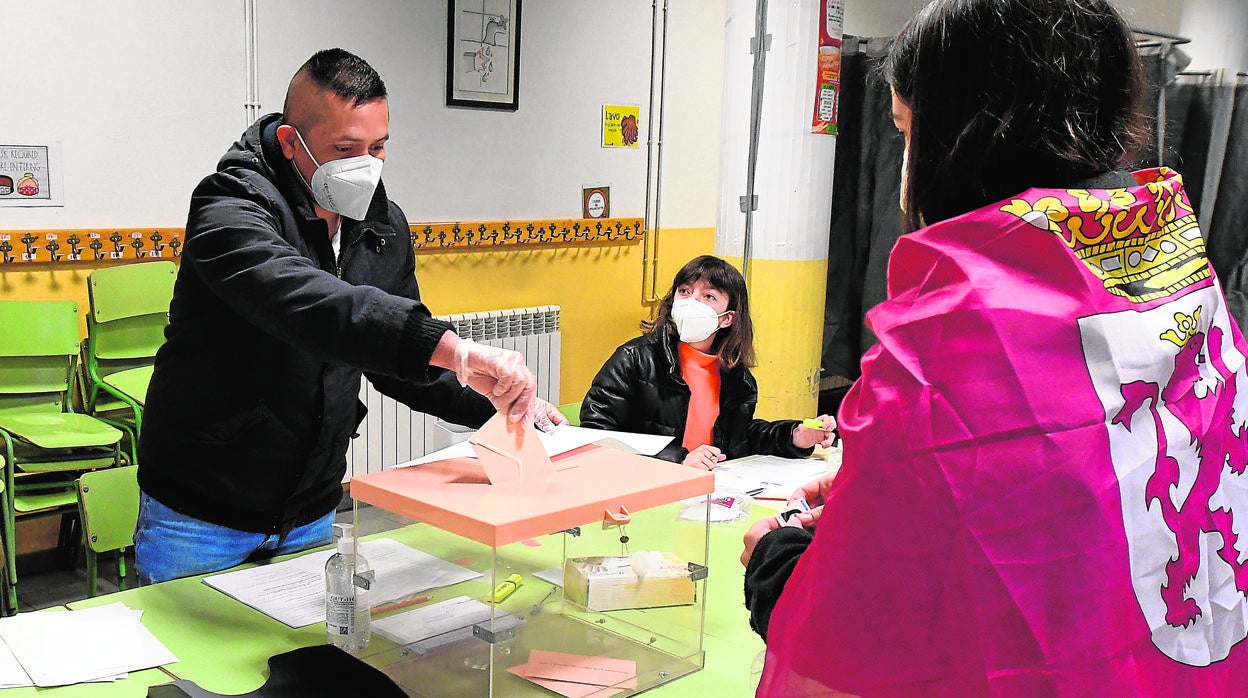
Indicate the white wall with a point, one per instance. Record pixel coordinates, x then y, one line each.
144 97
143 100
1223 24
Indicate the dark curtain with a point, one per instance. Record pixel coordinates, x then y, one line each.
1199 128
1206 140
865 211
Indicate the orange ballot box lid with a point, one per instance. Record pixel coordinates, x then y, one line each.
469 497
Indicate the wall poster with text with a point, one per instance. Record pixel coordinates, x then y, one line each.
30 175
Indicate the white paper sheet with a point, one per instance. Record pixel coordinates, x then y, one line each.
104 642
12 675
428 627
293 591
770 477
561 439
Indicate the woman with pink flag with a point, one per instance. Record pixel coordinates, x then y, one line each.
1045 454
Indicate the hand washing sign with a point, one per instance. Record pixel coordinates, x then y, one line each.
30 175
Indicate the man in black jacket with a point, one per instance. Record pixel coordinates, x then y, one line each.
297 276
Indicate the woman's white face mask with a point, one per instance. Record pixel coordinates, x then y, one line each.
695 320
344 186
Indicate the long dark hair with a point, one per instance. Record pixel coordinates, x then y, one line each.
734 344
1012 94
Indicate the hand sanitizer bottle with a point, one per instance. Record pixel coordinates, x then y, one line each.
347 609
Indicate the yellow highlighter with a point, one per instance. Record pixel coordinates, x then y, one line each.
816 423
505 588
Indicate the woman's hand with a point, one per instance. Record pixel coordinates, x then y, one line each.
815 493
761 528
705 456
805 437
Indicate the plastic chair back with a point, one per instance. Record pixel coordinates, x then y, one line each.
129 309
38 351
110 506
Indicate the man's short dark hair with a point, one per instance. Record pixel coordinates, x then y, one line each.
344 74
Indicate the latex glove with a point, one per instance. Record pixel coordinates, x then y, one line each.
498 374
545 416
805 437
705 456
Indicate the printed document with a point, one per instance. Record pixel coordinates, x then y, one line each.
293 591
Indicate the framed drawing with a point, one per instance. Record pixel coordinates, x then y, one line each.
483 54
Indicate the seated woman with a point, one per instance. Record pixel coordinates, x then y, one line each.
1045 454
688 376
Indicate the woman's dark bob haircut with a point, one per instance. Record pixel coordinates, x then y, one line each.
1012 94
735 343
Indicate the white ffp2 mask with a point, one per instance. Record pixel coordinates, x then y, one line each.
344 186
695 320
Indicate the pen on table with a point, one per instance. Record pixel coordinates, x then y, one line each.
400 604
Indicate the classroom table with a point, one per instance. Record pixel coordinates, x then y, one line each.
223 645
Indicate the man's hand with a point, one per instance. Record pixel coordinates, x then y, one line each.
545 416
498 374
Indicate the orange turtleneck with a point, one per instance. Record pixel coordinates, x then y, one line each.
701 372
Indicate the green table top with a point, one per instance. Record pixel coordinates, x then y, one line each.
224 645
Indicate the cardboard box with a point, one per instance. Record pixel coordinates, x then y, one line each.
610 583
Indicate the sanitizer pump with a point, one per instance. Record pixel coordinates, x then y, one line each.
347 578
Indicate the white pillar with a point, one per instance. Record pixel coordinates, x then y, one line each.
783 243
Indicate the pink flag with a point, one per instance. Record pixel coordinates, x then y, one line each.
1044 460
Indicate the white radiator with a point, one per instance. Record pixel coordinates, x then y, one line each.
393 433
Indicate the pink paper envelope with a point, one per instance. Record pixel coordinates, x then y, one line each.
566 688
578 668
509 451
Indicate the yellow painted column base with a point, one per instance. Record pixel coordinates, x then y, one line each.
786 304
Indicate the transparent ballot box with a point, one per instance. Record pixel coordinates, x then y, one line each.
588 576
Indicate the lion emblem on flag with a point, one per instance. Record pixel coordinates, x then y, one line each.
1180 448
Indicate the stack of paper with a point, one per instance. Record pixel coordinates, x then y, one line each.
578 676
429 627
293 591
61 648
767 477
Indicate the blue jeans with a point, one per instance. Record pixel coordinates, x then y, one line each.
168 545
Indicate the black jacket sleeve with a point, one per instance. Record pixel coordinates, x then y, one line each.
773 439
234 247
442 397
611 395
773 561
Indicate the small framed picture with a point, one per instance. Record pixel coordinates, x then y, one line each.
483 54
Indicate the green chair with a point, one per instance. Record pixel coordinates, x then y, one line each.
108 506
572 411
129 311
46 445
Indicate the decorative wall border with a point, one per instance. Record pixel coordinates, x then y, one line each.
483 235
128 244
67 246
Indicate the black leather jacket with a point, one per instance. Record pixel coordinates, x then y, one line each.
254 396
641 389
